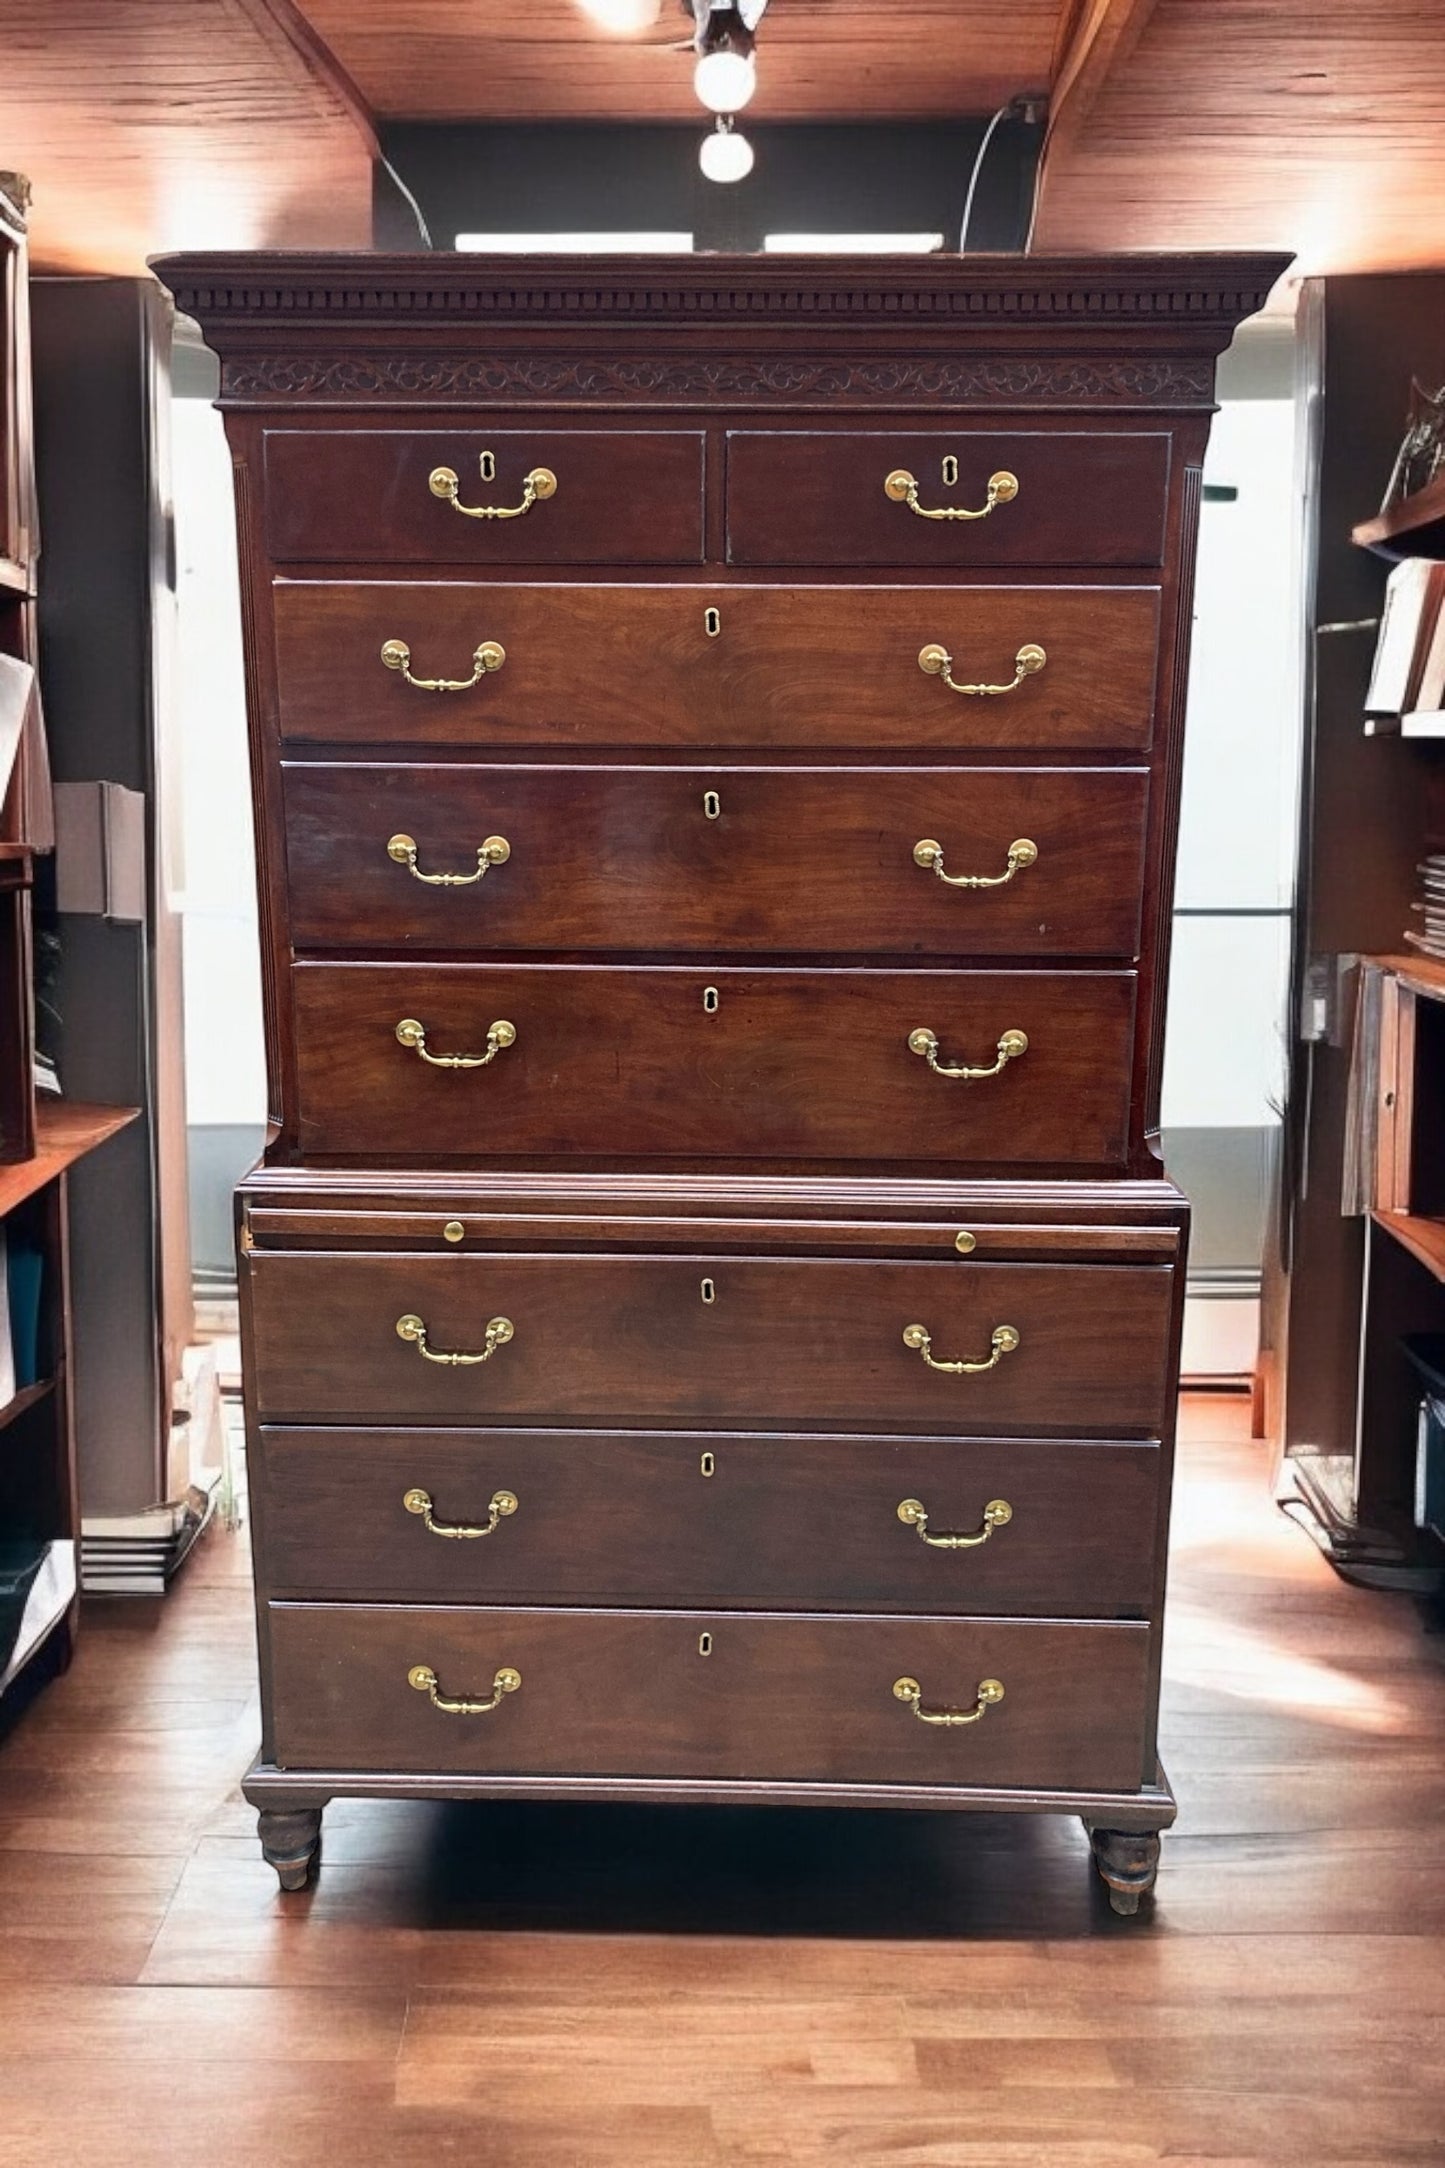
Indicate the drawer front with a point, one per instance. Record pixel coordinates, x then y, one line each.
616 1693
805 497
779 1523
592 665
720 859
667 1060
724 1341
365 496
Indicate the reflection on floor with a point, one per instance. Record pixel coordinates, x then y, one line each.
614 1988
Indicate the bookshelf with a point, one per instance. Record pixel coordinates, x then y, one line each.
42 1136
1413 527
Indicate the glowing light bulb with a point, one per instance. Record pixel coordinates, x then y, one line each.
624 18
725 155
724 81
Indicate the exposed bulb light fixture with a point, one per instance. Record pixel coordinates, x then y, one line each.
725 155
624 18
725 79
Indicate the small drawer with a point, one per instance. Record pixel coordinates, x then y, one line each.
841 497
364 496
709 1694
725 1342
662 1061
1025 1526
577 666
721 860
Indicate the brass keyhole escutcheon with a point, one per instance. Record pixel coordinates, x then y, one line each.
709 1291
707 1465
711 805
712 621
950 470
710 999
704 1644
489 467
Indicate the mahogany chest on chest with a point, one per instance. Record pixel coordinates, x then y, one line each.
711 1299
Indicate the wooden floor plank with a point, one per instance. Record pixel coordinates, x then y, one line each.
568 1987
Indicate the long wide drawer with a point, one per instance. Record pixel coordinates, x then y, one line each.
570 496
723 1695
579 665
1037 1527
731 1341
1060 497
720 859
669 1061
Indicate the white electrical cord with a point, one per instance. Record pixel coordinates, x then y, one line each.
423 230
979 156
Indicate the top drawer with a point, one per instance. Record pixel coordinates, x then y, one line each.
553 496
842 498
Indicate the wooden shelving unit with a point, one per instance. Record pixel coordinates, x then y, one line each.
41 1137
1415 527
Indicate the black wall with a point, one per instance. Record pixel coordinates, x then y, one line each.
899 178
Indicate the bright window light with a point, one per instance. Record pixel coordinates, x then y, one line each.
577 244
852 244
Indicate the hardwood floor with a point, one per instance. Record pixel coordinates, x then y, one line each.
614 1988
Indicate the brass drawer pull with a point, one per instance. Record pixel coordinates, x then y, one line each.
495 851
539 485
1010 1046
1003 1340
990 1692
424 1679
928 853
913 1514
413 1035
503 1504
935 661
499 1331
901 488
489 656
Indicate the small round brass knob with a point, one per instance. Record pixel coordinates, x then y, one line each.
454 1231
964 1242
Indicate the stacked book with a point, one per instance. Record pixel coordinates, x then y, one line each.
1428 931
1406 695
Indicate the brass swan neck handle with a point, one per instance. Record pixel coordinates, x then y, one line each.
538 486
1011 1045
928 853
1002 1341
413 1329
493 851
500 1035
900 487
935 661
990 1693
424 1679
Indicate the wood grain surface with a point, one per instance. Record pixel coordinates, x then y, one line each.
722 1519
631 1060
601 664
642 1987
784 1340
696 1693
622 497
1085 498
724 859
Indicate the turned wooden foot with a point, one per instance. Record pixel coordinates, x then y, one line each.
1128 1860
290 1837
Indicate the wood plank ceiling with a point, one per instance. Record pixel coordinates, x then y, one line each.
818 59
150 124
